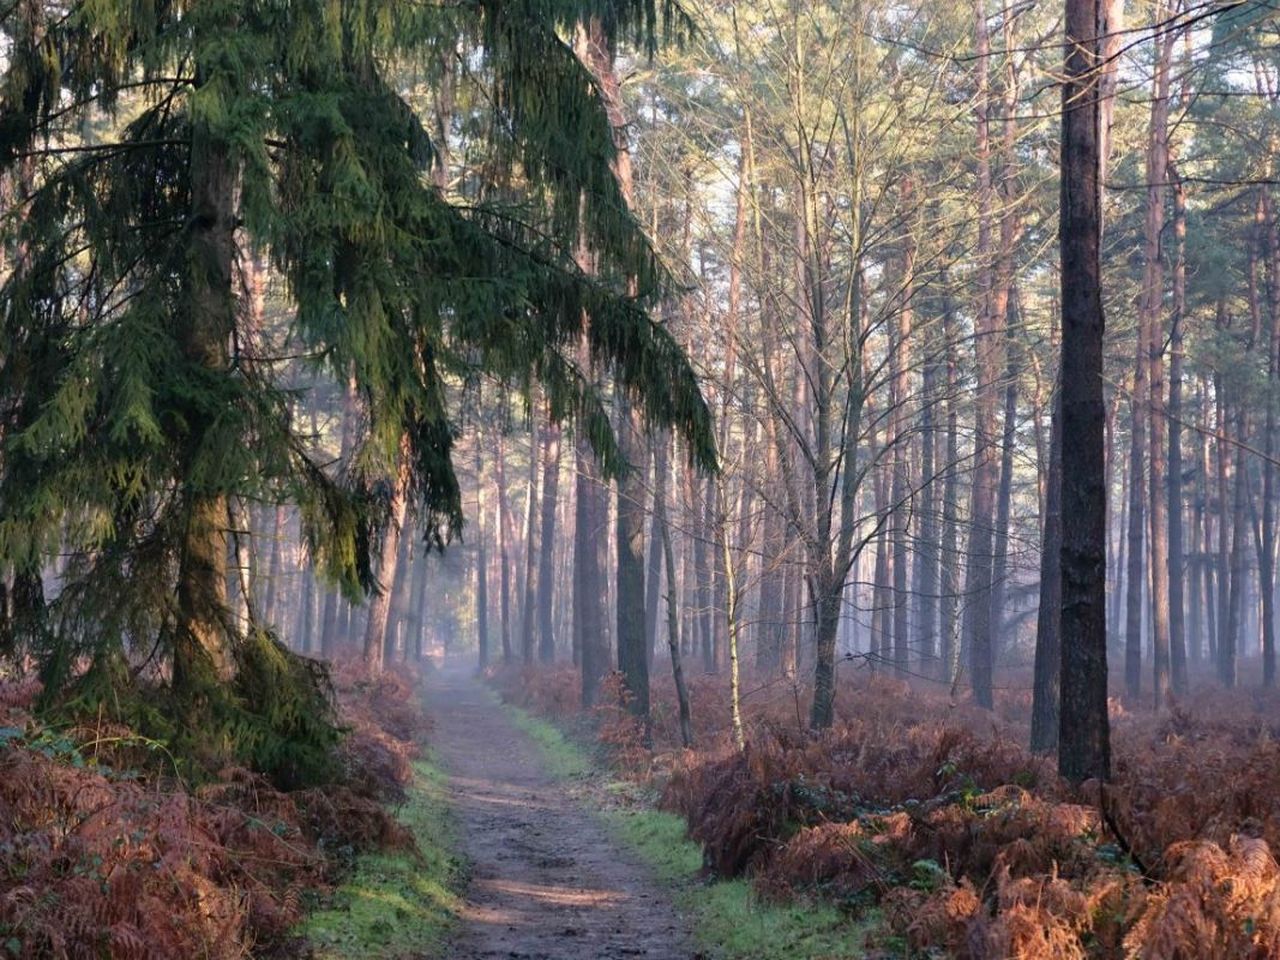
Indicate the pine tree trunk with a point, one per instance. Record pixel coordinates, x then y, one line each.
977 589
590 522
1229 642
673 619
927 555
506 540
1136 578
1177 560
1225 637
653 570
900 363
1153 300
1267 549
329 626
547 542
701 569
418 603
827 621
532 554
633 658
1048 657
1084 739
401 598
1004 500
202 645
482 570
305 639
375 632
1004 305
949 604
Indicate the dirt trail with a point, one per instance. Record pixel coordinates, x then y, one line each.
547 883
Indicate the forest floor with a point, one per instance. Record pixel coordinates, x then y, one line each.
547 880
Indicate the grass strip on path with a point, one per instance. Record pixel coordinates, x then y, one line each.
397 903
727 919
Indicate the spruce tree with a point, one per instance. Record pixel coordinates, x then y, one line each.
163 144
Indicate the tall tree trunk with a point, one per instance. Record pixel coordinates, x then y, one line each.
1177 560
532 552
1267 546
589 522
701 567
927 553
1004 495
547 541
1153 300
900 363
1226 620
307 608
1136 579
653 568
731 613
1048 656
950 554
421 598
673 619
273 571
482 569
388 556
401 599
1084 736
977 619
1229 643
202 646
711 593
330 628
1004 306
633 658
506 538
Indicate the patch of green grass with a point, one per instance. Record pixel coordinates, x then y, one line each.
729 921
565 759
396 904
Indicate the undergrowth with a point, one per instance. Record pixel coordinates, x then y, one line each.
728 918
109 849
925 824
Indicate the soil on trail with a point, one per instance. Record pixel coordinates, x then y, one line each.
546 881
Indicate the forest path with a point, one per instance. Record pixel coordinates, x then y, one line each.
547 882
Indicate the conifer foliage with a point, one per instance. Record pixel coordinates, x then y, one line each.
152 146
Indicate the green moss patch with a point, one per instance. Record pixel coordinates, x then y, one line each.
396 904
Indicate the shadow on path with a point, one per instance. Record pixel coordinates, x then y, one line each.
547 883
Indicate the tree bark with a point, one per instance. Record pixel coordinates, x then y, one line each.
202 645
653 568
1048 656
547 541
388 556
532 553
673 623
506 537
1084 737
900 362
1153 300
482 569
978 569
633 657
949 604
1177 561
1004 497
